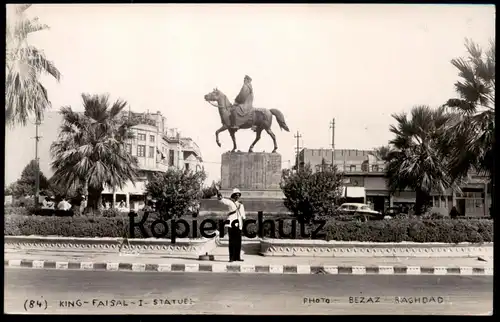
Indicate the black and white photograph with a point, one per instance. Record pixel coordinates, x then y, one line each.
249 159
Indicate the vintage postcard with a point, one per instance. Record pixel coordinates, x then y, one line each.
254 159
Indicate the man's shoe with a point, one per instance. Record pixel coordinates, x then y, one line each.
240 260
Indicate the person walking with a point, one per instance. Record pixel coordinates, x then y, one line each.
234 223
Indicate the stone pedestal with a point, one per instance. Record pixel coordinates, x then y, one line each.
256 174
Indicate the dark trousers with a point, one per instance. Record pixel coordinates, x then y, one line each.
234 244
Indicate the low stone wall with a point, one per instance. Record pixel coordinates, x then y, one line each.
321 248
182 246
250 246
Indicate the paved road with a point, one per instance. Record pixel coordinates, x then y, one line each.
201 293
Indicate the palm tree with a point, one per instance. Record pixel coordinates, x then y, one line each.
381 152
417 156
91 151
474 131
24 93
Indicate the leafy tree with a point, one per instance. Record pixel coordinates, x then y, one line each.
176 191
8 190
417 156
308 193
91 152
26 184
211 191
473 133
24 93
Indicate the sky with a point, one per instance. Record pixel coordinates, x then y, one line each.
355 63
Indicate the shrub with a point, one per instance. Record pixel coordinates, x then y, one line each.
18 211
210 191
110 213
411 230
23 202
308 194
177 192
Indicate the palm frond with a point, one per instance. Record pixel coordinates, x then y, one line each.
91 146
473 133
24 93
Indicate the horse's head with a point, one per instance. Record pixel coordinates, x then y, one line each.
214 96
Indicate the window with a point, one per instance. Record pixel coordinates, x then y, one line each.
375 168
152 138
141 137
365 208
141 150
352 168
151 152
186 165
170 157
129 148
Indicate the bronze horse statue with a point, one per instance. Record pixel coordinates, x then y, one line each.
257 119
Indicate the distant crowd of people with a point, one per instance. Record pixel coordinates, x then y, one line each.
50 203
120 205
79 202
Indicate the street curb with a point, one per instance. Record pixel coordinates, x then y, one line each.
250 268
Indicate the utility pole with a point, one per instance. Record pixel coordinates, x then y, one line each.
37 161
332 126
297 136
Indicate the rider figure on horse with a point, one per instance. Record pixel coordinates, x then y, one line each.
243 102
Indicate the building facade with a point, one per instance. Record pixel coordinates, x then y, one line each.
157 149
365 182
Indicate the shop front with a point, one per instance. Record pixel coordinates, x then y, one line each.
404 199
377 194
378 199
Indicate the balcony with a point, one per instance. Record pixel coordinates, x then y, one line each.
376 168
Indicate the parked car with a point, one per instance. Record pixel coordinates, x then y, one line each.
360 211
393 211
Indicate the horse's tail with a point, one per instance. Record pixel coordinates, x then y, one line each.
280 118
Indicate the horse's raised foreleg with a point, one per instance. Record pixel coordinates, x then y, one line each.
222 129
258 132
233 137
271 134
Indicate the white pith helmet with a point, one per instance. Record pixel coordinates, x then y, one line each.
236 191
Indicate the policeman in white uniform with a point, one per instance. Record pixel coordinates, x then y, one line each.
236 215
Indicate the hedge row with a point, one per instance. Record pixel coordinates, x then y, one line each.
412 230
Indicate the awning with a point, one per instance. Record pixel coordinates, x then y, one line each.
139 189
354 192
377 193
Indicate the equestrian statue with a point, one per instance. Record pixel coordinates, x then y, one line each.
242 115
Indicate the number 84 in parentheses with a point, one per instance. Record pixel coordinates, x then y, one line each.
35 304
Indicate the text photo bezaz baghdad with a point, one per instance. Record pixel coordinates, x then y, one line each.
220 166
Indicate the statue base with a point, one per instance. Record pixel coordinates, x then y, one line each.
256 174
